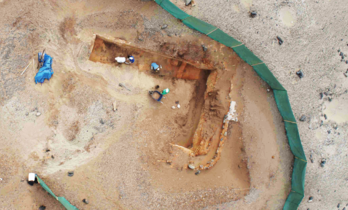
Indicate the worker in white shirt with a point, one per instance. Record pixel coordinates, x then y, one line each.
125 60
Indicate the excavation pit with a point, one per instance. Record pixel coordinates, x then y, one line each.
196 132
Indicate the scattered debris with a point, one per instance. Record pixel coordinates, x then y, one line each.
70 173
114 106
1 179
124 86
45 71
164 26
85 201
191 166
157 86
253 14
41 56
204 48
268 90
338 205
303 118
178 106
47 150
299 74
197 172
321 95
42 207
38 114
187 2
231 115
176 102
280 41
322 163
335 126
310 199
32 179
101 121
346 74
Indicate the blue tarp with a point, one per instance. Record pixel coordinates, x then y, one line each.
45 71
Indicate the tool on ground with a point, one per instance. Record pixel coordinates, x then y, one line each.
26 68
156 95
41 59
124 86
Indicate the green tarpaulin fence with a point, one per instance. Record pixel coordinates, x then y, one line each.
62 200
281 97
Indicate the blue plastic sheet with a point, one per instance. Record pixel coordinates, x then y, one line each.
45 71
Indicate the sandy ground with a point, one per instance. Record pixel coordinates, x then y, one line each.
119 158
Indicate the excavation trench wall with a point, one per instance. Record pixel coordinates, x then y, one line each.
105 50
281 97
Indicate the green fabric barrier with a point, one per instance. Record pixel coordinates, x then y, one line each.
294 140
43 185
266 75
281 97
223 38
66 204
297 185
283 103
198 25
245 54
62 200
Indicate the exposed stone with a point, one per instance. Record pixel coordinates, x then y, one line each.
204 48
253 14
188 2
299 74
323 162
310 199
303 118
311 158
